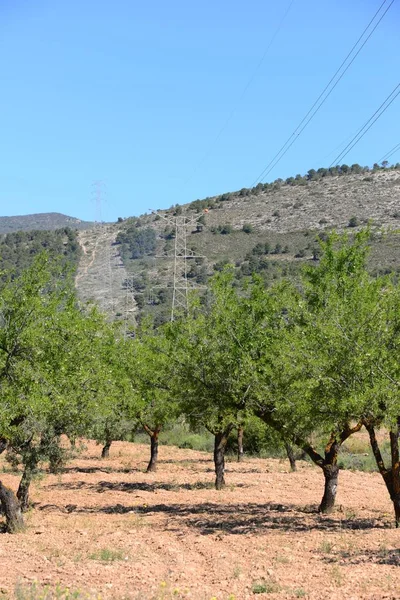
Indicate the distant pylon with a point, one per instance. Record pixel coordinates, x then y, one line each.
180 224
98 190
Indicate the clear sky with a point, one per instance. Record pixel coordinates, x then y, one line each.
135 94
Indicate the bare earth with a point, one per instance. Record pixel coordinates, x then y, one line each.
107 529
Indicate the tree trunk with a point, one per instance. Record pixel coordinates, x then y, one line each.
291 456
396 506
105 453
220 441
152 466
30 462
391 475
11 510
240 443
327 463
23 488
331 474
395 455
3 445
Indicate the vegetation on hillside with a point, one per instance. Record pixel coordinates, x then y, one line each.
271 230
298 180
19 249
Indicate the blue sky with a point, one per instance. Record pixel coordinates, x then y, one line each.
135 94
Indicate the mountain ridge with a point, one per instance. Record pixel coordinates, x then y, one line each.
41 221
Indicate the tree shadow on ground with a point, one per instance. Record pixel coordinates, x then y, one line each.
123 486
238 519
381 556
101 470
194 461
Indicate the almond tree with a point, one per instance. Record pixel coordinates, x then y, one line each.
315 378
213 352
381 399
50 372
149 370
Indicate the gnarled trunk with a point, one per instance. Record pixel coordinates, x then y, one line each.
23 488
154 434
30 460
328 462
291 456
331 474
391 475
11 509
240 443
396 506
105 453
220 441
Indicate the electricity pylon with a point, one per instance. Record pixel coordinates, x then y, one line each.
180 224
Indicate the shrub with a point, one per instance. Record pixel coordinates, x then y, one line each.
248 228
301 253
353 222
226 229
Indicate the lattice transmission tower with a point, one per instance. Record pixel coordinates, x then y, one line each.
98 197
181 286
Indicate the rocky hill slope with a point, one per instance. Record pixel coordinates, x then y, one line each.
101 276
271 229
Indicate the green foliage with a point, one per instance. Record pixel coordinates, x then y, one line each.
54 363
248 228
19 249
148 369
181 435
137 242
213 352
258 439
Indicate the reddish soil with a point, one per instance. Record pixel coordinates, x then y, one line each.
107 529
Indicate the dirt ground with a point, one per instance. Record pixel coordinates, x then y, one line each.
106 529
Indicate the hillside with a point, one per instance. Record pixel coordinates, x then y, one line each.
41 221
271 230
101 276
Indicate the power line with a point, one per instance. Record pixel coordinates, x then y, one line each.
324 95
390 153
367 126
246 87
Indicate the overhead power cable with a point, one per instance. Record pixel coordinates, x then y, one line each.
326 92
368 124
243 93
390 153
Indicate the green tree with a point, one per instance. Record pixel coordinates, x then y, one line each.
212 351
317 373
49 369
149 370
381 405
